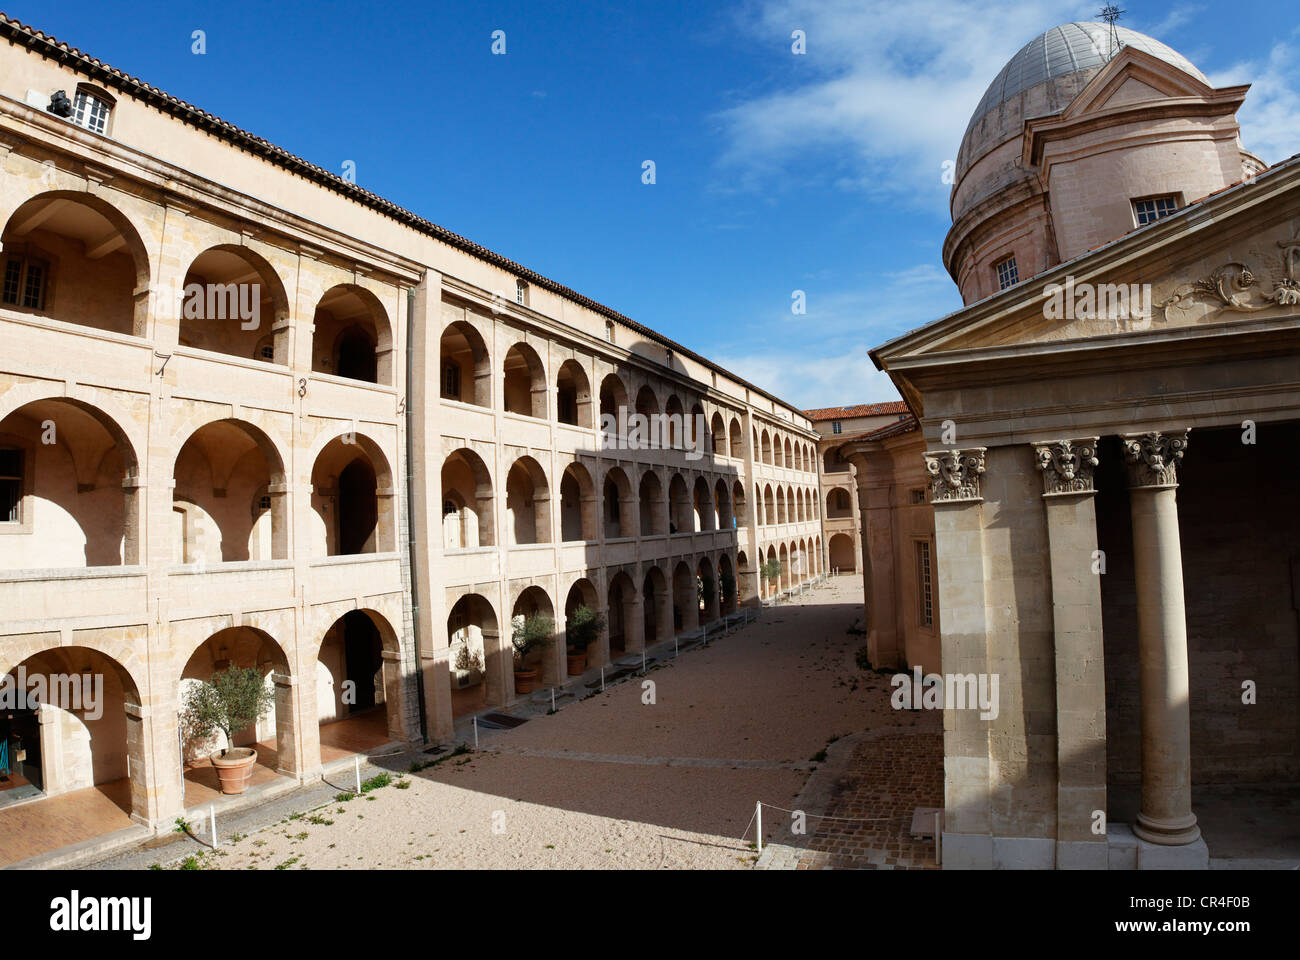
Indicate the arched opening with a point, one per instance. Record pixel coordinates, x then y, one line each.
744 578
75 258
528 503
625 621
577 504
272 737
718 430
651 498
772 577
69 489
783 557
83 742
534 602
686 599
583 594
466 365
352 336
466 502
738 507
838 504
709 591
722 507
573 395
843 557
525 382
727 586
233 302
782 508
778 452
798 506
657 607
647 405
737 439
358 685
352 499
620 508
674 423
767 447
789 453
769 505
613 399
695 430
682 518
476 655
702 515
229 501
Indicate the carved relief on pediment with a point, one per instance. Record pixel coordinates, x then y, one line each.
1262 280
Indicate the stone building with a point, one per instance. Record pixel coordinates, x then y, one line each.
1105 425
253 414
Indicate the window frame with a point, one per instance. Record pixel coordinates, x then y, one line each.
27 257
1175 199
924 551
25 523
1000 275
86 93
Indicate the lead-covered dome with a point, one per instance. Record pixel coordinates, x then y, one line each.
1042 78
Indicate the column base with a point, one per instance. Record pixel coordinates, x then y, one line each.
1170 833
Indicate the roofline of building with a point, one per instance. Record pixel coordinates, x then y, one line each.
21 34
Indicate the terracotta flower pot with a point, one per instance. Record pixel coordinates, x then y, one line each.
235 769
525 681
577 663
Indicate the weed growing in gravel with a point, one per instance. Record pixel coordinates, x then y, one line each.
190 863
320 821
377 781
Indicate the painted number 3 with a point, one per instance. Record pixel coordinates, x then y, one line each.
302 387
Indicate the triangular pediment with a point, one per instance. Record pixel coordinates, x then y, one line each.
1135 76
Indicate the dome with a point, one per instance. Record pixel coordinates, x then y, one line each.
1044 76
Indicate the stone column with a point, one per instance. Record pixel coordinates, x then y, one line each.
1068 500
963 618
634 625
1166 812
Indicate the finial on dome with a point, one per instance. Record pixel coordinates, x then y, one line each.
1111 14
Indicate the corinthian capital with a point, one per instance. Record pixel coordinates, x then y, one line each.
1067 465
1153 458
955 474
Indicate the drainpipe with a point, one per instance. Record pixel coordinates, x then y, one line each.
410 515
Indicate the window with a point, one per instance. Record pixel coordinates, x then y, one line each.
668 358
521 292
25 281
11 485
837 427
1151 209
451 381
1008 275
924 587
609 330
90 111
918 495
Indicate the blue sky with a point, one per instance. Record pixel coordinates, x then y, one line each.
774 172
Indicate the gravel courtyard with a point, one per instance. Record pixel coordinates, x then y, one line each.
610 781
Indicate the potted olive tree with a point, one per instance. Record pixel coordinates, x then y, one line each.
533 632
582 630
230 701
771 571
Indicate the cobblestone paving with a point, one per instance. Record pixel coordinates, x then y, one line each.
889 775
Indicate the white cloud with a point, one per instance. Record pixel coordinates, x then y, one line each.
1270 117
810 381
894 84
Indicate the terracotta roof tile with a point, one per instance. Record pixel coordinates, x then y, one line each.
858 410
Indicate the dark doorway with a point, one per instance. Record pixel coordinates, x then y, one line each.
358 508
356 356
362 648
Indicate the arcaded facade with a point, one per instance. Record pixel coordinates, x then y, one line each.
253 415
1105 426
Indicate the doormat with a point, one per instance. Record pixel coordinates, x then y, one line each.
500 721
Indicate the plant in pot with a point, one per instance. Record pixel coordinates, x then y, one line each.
533 632
583 627
771 571
469 666
230 701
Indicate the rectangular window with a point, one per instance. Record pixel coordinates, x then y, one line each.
521 292
90 112
1008 275
11 485
1151 209
451 381
837 427
918 495
609 330
924 589
24 283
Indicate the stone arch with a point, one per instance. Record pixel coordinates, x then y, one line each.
362 647
686 598
766 447
582 592
708 609
650 495
783 557
722 515
703 515
619 505
838 504
739 504
657 606
218 471
92 266
718 429
573 395
680 512
524 381
736 436
789 454
674 423
625 619
728 585
528 503
88 475
842 555
533 600
474 640
579 505
353 335
769 505
613 398
352 498
465 365
232 298
467 502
